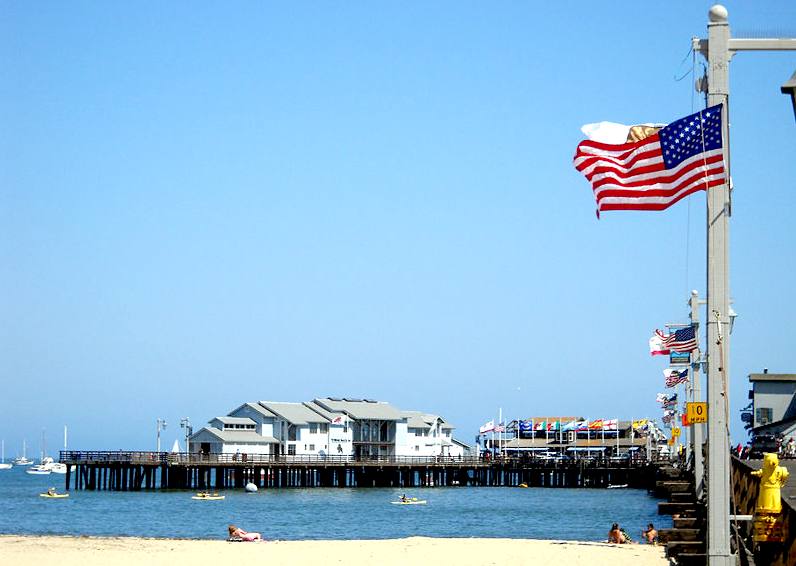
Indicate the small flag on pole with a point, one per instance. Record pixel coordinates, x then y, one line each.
658 170
674 376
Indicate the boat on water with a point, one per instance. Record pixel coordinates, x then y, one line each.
618 486
52 494
207 496
3 464
22 460
45 467
58 468
409 501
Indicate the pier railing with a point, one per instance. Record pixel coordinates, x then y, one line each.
245 459
169 458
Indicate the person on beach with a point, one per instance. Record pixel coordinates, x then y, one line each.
238 533
650 534
615 535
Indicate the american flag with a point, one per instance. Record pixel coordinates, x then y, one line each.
656 172
683 340
675 377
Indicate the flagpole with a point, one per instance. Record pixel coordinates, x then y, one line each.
500 420
718 290
697 430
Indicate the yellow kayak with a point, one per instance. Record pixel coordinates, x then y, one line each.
208 497
54 495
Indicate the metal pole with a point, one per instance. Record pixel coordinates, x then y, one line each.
718 290
697 430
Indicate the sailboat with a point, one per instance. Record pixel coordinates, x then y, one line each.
22 460
3 465
45 465
58 467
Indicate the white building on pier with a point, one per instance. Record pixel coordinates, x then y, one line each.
328 427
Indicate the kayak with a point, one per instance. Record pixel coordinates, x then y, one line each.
208 497
54 495
410 502
619 486
523 485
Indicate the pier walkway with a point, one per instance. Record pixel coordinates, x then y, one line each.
133 471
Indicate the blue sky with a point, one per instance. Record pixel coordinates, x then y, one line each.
203 204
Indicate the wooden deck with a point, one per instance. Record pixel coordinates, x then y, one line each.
133 471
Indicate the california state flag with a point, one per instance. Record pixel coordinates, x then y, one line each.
657 348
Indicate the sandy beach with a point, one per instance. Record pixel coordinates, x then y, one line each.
91 551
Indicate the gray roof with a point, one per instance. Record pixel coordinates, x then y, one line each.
312 405
416 419
254 407
235 420
772 377
294 413
237 436
362 408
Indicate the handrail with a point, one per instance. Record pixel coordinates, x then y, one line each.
245 459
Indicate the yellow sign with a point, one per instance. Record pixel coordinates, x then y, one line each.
676 431
697 412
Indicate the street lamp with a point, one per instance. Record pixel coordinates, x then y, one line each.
161 425
789 88
185 423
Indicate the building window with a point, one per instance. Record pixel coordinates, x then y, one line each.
313 428
764 415
417 448
312 448
323 428
291 449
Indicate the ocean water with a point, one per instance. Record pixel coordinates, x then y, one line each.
326 513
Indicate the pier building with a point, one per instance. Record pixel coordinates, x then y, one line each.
340 427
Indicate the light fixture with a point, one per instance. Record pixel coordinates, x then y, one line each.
789 88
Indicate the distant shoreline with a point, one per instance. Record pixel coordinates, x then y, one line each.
129 551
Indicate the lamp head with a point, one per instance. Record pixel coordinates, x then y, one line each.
789 89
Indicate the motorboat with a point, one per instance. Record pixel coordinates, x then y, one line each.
44 468
58 468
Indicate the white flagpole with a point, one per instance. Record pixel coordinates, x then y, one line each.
500 419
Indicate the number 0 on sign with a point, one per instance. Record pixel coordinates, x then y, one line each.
697 412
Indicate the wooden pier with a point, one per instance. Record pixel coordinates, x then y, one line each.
135 471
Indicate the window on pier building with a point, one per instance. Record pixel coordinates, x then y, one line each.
291 432
323 428
313 428
764 415
291 449
312 447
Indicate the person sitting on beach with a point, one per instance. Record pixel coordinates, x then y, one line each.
615 535
650 534
238 533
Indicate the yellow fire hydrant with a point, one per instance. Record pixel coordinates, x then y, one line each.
768 520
